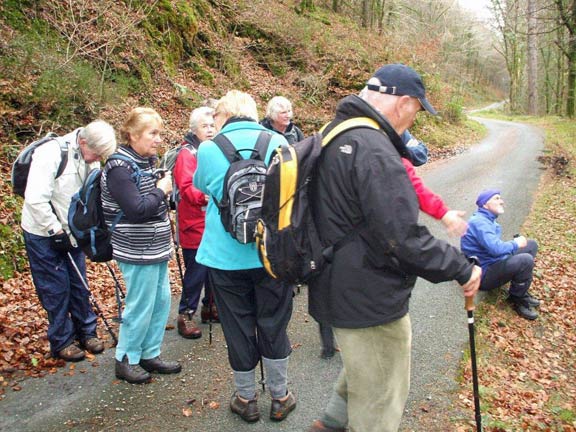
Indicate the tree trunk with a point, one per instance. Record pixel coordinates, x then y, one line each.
336 6
532 59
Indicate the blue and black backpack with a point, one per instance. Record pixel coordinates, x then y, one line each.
86 216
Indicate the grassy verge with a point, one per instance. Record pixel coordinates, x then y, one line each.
527 369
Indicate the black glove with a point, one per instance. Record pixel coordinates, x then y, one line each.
61 243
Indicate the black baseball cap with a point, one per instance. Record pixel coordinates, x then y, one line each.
401 80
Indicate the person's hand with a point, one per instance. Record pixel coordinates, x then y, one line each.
60 242
521 241
471 287
165 183
454 223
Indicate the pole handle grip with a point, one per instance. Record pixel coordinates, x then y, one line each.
469 303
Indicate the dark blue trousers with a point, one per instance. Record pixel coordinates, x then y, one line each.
61 292
516 269
195 277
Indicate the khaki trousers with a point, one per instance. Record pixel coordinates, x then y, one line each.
375 377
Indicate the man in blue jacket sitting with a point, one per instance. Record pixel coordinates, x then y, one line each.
501 261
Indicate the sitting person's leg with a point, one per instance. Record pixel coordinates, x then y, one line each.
517 270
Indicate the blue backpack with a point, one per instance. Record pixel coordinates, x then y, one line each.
86 216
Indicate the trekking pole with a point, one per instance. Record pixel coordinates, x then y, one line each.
469 306
176 240
116 281
262 381
92 299
210 305
117 292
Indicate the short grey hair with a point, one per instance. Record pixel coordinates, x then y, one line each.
276 105
100 138
197 115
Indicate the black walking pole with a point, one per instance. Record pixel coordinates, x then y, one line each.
262 381
116 281
469 302
176 240
118 292
92 298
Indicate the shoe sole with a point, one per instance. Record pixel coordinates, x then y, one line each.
191 336
72 360
162 371
288 411
246 419
140 381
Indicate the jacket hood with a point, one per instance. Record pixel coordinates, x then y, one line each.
354 106
191 138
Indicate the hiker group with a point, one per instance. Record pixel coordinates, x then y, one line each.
259 209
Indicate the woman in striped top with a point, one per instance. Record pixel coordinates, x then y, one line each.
141 241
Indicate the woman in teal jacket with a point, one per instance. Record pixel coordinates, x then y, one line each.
254 308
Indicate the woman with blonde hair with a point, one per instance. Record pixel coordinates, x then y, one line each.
141 239
254 309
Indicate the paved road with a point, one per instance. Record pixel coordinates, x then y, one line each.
88 398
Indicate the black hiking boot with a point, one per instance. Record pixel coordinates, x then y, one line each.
523 308
156 364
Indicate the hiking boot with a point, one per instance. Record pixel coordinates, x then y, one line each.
187 328
532 301
133 374
318 426
156 364
280 409
522 307
93 345
71 353
205 314
248 411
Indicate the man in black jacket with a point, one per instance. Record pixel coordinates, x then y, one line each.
363 293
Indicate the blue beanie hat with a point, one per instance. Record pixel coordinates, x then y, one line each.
485 196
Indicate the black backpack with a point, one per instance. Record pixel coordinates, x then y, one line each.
21 166
86 216
287 239
241 202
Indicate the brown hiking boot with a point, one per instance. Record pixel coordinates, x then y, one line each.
132 373
206 314
280 409
93 345
187 328
71 353
248 411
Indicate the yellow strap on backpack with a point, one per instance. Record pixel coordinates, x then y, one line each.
348 124
290 166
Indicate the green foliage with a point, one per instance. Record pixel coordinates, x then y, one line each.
172 27
12 256
453 111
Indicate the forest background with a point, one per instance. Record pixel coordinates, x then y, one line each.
66 62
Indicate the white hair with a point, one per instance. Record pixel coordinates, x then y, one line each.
197 115
276 105
100 138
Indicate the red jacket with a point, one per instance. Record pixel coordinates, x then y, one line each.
429 202
192 205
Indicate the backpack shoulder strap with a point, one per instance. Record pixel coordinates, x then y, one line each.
348 124
64 145
261 146
136 171
226 147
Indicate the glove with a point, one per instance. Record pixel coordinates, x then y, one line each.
61 243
